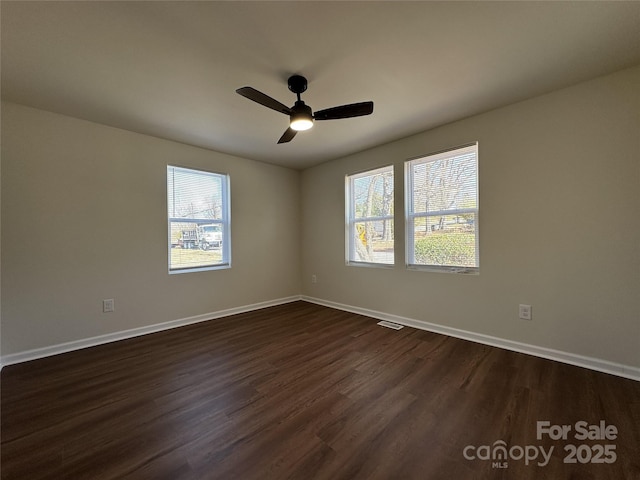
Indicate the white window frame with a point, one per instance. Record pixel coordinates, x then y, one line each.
225 221
411 215
351 220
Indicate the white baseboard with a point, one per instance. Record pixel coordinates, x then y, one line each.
626 371
136 332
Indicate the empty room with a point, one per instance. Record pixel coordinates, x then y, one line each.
320 240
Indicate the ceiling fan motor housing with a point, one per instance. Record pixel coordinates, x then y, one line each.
297 84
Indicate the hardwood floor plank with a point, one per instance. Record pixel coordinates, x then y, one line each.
301 391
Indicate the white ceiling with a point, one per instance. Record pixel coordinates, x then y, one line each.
170 69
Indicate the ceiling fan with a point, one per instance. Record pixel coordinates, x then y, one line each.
301 116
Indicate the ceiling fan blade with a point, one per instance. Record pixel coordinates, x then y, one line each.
345 111
288 135
262 99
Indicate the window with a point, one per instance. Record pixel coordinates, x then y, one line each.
198 213
369 200
442 210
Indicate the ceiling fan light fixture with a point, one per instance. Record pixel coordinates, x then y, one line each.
301 117
301 122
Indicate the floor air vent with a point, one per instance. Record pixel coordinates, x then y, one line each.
395 326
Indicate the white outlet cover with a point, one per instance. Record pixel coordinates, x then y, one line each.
525 312
108 305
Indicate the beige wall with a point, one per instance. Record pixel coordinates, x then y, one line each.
84 219
559 225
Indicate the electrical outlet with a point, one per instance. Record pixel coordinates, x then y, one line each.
314 278
525 312
108 305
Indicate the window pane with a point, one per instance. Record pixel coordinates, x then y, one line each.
192 246
197 205
192 194
373 194
373 241
448 183
445 240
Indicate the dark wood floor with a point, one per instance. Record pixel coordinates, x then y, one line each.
301 391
